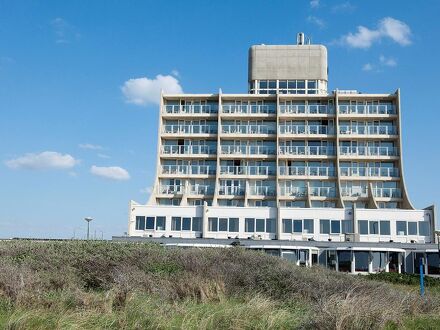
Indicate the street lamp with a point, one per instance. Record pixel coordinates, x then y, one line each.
88 219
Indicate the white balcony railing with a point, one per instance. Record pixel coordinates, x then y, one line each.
248 150
248 129
201 190
323 191
293 191
307 170
368 151
171 189
369 171
231 190
306 129
189 129
189 150
307 150
191 109
354 191
189 169
249 109
377 109
387 192
247 170
306 109
368 130
262 191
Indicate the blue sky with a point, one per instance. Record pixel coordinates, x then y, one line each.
74 142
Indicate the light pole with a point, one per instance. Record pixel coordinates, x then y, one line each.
88 219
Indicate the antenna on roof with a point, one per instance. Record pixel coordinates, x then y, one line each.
301 39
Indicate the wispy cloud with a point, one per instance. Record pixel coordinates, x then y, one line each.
317 21
144 91
90 146
42 161
387 61
64 32
387 27
379 66
314 3
175 73
367 67
346 6
104 156
110 172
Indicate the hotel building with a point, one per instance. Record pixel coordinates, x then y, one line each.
289 168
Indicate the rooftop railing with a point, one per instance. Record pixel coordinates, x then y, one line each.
189 129
306 129
189 150
368 130
191 109
248 129
248 150
306 109
369 151
307 170
376 109
249 109
307 150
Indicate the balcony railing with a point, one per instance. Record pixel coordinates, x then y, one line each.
249 109
191 109
248 129
369 171
354 191
368 130
248 150
171 189
306 109
306 129
307 150
231 190
307 170
293 191
369 151
190 129
323 191
387 192
247 170
189 150
262 191
189 169
377 109
201 190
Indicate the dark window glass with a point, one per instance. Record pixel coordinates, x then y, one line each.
308 226
311 84
374 227
176 223
249 224
297 226
424 228
282 84
361 261
197 224
291 84
212 224
233 225
363 227
300 84
140 223
287 226
401 227
347 226
385 228
271 226
186 224
412 228
160 223
344 261
260 225
263 84
223 224
324 226
272 84
150 223
336 226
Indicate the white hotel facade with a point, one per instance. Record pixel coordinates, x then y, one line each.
290 168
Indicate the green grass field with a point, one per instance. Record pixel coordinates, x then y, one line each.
104 285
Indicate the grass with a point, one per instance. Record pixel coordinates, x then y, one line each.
104 285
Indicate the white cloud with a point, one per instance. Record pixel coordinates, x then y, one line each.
367 67
343 7
43 160
90 146
143 91
110 172
64 32
314 3
387 27
317 21
104 156
387 61
175 73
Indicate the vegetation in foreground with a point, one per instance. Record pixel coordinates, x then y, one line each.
95 285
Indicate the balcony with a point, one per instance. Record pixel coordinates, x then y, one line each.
201 190
247 170
248 150
171 189
188 150
369 151
262 191
261 109
189 129
361 109
370 171
190 109
248 129
188 169
368 130
231 190
354 191
293 191
306 129
323 191
307 150
307 170
387 192
297 109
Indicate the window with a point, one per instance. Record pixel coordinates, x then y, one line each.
176 223
324 226
260 225
186 224
336 226
249 224
308 226
287 226
297 226
212 224
140 223
374 227
160 223
424 228
347 226
149 223
385 228
361 261
197 224
233 225
223 224
401 227
363 227
412 228
271 226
